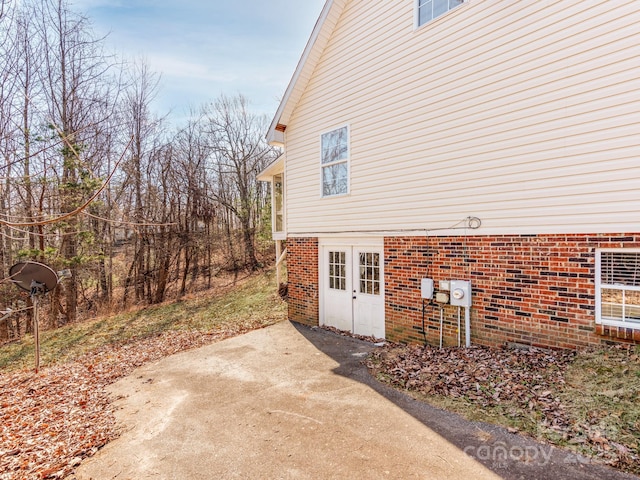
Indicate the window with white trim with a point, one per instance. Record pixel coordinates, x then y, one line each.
618 287
338 270
335 162
370 273
430 9
278 202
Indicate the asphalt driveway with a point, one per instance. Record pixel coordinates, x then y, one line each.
292 402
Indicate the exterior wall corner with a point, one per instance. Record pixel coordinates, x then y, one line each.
303 291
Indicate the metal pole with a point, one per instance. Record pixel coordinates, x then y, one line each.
467 326
458 327
36 332
278 254
441 324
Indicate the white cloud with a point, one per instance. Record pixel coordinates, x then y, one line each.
174 67
203 48
89 4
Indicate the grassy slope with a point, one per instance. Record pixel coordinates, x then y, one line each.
254 300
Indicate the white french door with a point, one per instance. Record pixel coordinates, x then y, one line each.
352 289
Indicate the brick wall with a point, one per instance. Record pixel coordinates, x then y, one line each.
302 270
529 289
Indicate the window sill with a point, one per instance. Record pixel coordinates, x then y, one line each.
621 333
337 195
618 324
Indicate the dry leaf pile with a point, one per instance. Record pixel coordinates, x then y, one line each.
486 376
526 385
50 421
343 333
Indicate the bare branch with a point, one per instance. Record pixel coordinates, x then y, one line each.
77 210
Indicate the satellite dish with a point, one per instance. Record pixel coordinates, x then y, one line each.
38 279
33 277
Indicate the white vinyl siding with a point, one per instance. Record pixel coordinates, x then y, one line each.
524 114
618 287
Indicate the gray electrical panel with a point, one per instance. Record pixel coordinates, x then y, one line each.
461 293
426 288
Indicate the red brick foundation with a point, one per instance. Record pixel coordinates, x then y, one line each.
302 271
527 289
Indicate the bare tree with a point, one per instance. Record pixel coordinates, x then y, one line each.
28 60
77 81
198 213
145 130
3 7
7 84
239 153
180 208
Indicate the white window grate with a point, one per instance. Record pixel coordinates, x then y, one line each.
620 268
618 287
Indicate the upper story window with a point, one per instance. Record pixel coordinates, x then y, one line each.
430 9
335 162
618 287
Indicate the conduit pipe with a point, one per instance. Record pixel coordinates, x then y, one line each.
467 326
441 323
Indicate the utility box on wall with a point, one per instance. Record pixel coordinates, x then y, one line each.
426 288
460 293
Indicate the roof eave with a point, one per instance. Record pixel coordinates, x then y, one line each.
275 135
274 168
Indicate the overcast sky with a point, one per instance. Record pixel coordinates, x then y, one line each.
204 48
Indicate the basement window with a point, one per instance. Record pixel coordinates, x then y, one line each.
431 9
618 287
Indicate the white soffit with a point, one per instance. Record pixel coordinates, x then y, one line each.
274 168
